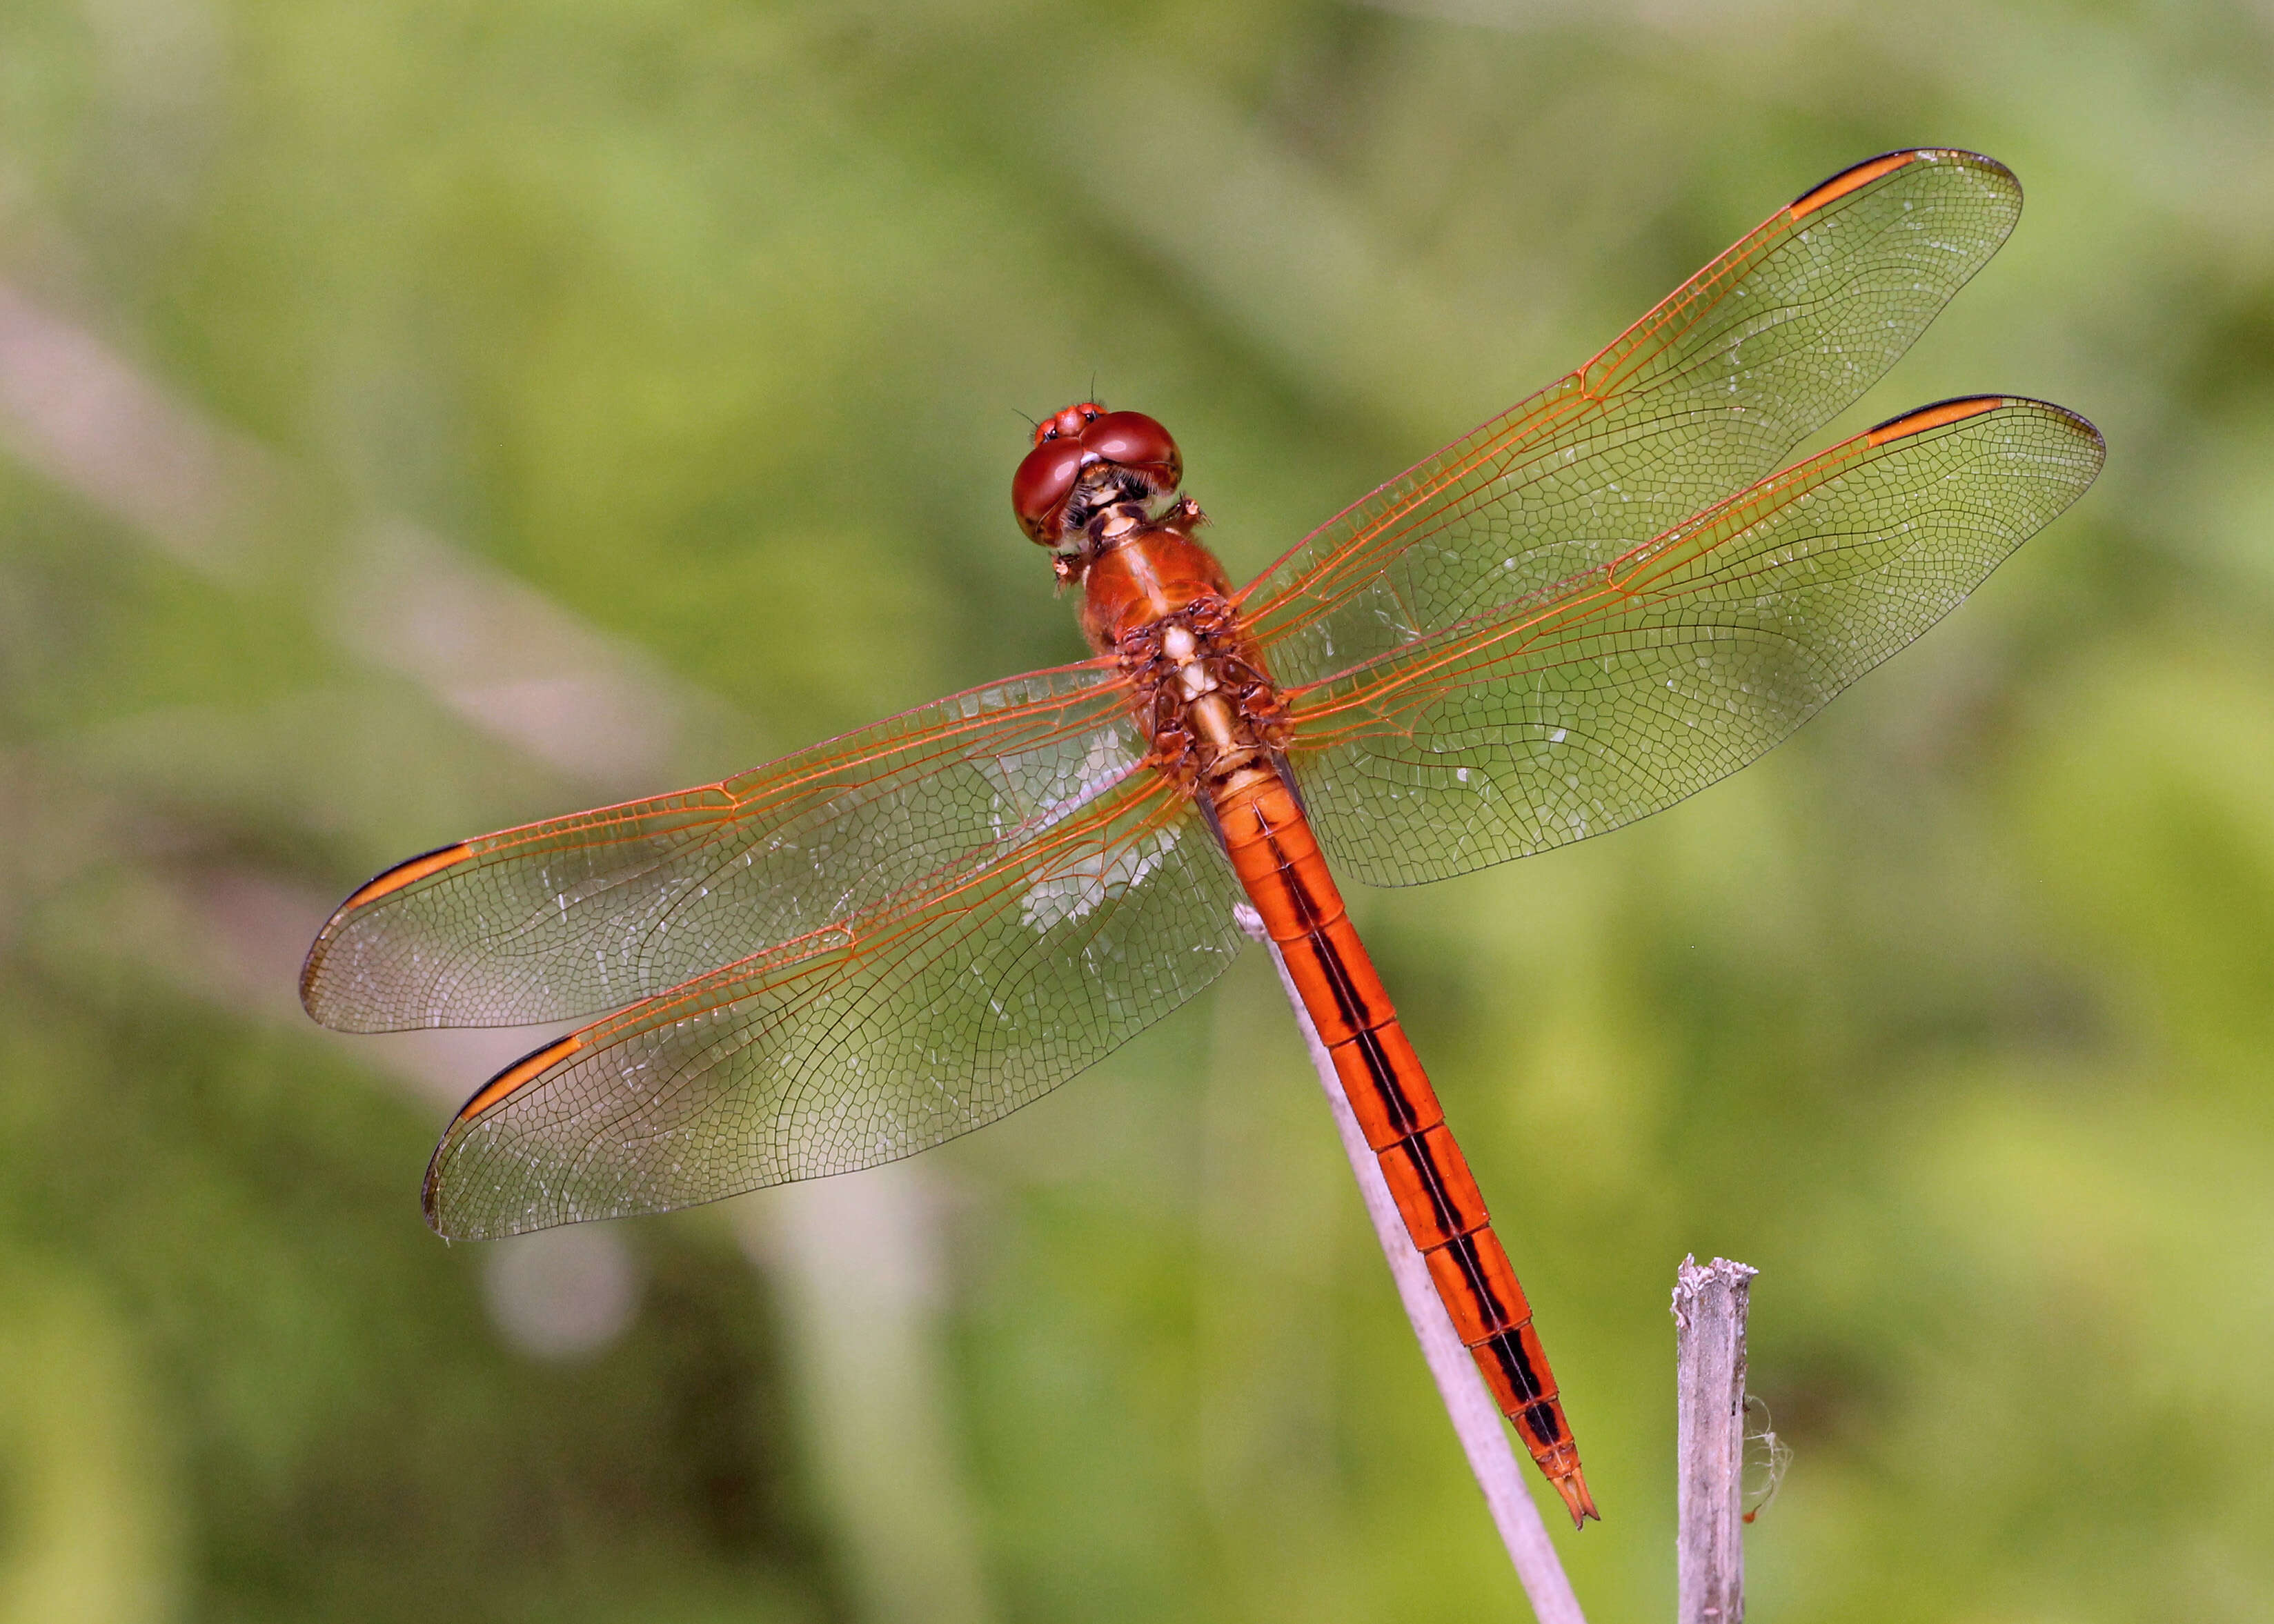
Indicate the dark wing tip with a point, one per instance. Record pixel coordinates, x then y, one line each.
2085 428
1855 176
385 883
430 1190
492 1094
1958 408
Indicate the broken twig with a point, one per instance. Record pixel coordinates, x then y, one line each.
1709 1354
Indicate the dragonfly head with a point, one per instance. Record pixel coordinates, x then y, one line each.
1087 459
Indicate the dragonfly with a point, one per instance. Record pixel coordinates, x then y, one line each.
1596 604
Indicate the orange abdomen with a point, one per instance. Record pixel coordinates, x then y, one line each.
1285 876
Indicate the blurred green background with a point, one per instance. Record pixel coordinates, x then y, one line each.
422 417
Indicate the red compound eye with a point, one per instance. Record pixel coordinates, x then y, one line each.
1040 488
1134 440
1067 441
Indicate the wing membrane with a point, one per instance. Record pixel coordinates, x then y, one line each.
1704 395
591 912
873 1038
1627 687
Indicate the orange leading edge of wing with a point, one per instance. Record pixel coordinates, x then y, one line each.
1847 181
519 1072
494 1092
408 873
1933 418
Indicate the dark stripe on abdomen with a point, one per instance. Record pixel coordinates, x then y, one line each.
1280 867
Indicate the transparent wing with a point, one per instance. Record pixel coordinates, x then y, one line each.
1619 691
1704 395
870 1039
589 912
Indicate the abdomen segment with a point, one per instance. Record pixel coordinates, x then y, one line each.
1285 876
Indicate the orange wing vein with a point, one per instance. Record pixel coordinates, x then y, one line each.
1704 395
1621 691
589 912
874 1037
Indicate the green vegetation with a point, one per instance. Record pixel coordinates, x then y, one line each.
710 322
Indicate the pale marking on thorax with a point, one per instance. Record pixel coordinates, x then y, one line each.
1178 643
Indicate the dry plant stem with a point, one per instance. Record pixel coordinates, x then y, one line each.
1709 1356
1476 1418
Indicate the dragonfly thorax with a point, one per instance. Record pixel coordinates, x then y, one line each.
1155 598
1135 570
1211 712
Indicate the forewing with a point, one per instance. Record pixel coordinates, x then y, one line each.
1704 395
580 914
869 1040
1622 690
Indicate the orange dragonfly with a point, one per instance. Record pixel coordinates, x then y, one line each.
1594 605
